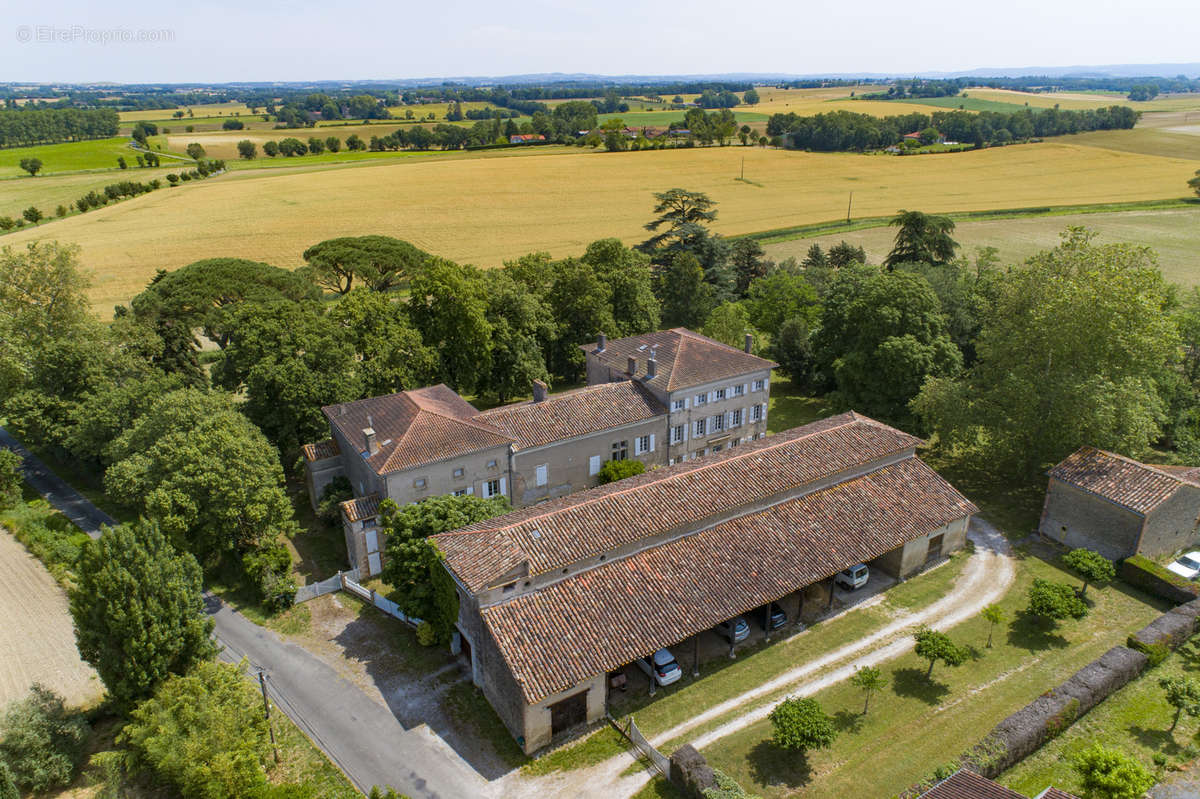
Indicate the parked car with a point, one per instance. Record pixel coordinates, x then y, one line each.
1188 566
661 667
853 578
777 617
734 630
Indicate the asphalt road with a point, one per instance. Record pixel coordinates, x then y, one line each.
358 733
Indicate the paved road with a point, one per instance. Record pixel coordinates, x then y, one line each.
359 734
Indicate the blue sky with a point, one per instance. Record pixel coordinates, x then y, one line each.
307 40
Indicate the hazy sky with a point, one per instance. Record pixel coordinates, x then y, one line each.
226 40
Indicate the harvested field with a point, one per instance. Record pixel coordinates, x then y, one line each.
37 641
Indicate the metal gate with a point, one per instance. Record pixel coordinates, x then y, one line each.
656 758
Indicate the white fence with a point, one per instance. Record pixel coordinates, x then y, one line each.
314 590
656 758
347 581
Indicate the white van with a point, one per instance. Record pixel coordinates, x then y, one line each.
855 577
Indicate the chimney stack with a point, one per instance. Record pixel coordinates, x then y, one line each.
651 366
749 341
372 444
539 390
632 366
601 342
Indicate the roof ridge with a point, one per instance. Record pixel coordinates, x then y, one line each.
468 420
1150 467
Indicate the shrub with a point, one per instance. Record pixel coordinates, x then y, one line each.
172 178
60 211
10 479
1110 774
426 634
32 214
232 124
269 568
727 788
8 784
1055 601
42 741
801 724
48 535
1063 718
612 471
328 506
7 223
1155 653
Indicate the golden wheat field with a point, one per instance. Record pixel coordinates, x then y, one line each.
486 210
1074 101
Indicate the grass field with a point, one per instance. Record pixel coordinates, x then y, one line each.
68 157
17 194
1174 234
202 110
1171 141
1085 100
968 103
223 143
485 210
641 119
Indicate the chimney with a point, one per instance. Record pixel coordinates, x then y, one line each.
651 366
601 342
539 390
749 341
632 366
372 444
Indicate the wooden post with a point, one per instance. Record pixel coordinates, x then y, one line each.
267 713
767 621
848 206
696 655
829 606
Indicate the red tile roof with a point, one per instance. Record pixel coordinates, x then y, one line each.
1123 481
574 413
415 427
604 617
684 358
321 450
1055 793
964 784
361 508
555 534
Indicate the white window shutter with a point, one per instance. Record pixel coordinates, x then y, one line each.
686 402
745 388
373 564
651 442
594 464
503 492
764 415
712 396
542 474
685 432
470 489
728 419
372 540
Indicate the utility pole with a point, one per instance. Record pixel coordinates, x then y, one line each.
267 713
743 177
848 205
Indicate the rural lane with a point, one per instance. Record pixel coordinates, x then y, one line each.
359 734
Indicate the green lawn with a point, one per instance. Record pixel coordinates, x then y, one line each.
1136 720
936 719
967 103
69 156
789 407
641 119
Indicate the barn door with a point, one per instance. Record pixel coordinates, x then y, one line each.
568 713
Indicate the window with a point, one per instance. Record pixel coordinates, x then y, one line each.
542 474
677 433
462 492
491 488
491 464
620 450
419 482
508 589
756 414
718 423
701 427
733 442
739 389
720 392
701 399
641 445
679 404
459 472
594 464
716 449
759 385
698 453
736 418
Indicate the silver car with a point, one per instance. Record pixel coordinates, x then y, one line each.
734 630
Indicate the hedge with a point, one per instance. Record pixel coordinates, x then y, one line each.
1143 573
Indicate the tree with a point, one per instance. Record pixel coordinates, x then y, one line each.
203 733
686 299
448 306
750 96
195 151
868 679
381 263
1111 774
413 566
10 479
800 725
41 741
1055 601
677 210
1071 352
8 783
921 238
613 471
1182 693
1195 183
746 256
121 163
792 349
729 323
520 323
627 275
271 148
933 646
32 166
1092 567
138 610
993 615
387 349
779 296
32 215
333 144
582 306
247 149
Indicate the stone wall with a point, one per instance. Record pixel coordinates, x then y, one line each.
1077 519
1171 526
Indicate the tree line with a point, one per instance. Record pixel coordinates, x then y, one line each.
27 126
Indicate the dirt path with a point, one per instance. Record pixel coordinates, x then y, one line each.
37 641
985 579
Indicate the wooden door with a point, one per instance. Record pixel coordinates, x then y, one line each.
568 712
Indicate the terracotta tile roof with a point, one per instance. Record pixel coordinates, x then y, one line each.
321 450
415 427
1123 481
554 534
574 413
964 784
1055 793
684 358
361 508
604 617
1188 474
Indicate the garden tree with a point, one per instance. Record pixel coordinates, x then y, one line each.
686 299
520 323
422 587
448 305
207 475
202 733
792 349
933 646
1092 567
747 259
109 408
1071 353
626 272
378 262
1181 389
195 151
881 335
388 350
1055 601
779 296
41 741
1182 693
800 725
10 479
32 166
679 214
729 323
868 679
1111 774
582 306
965 295
290 360
921 238
247 149
613 471
138 610
993 615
